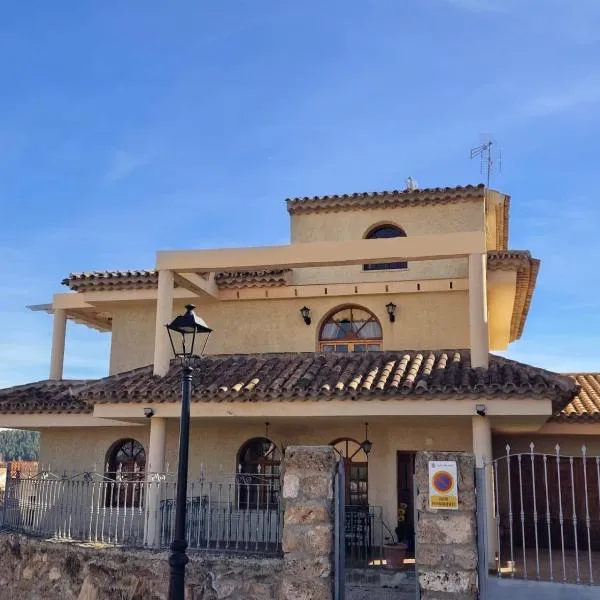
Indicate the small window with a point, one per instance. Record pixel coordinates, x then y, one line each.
351 329
385 231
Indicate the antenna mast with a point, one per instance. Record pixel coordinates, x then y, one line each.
486 157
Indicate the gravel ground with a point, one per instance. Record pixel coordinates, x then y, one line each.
373 593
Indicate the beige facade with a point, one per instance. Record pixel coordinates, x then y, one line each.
214 445
423 320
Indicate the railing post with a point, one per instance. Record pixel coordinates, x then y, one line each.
340 531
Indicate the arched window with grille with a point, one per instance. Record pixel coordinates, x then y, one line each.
259 463
350 329
126 463
380 232
356 467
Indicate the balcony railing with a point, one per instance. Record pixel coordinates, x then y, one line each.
240 513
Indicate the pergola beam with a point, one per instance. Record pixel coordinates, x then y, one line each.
323 254
197 284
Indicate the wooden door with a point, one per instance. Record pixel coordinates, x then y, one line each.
405 463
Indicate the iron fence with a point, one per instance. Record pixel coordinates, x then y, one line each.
547 515
241 513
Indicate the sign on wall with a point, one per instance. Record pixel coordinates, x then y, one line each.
443 486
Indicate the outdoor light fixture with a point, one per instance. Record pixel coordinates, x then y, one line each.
305 312
481 409
367 445
391 311
183 332
148 412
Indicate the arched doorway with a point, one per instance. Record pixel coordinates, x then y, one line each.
356 467
259 464
126 463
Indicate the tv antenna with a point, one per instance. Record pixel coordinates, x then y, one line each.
487 158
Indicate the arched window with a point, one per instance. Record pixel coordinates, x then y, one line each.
351 329
259 462
126 462
385 231
356 467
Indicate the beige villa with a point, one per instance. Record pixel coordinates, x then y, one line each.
385 309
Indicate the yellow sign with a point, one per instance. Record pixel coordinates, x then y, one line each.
443 487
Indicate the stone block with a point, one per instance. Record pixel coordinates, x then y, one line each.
307 514
446 528
449 557
301 567
292 589
445 580
316 540
315 487
291 485
310 458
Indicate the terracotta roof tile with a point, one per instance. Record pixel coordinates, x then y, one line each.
98 281
335 203
44 397
281 377
314 375
585 406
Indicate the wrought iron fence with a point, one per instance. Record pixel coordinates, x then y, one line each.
547 515
365 533
241 513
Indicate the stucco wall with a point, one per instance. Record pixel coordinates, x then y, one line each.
214 445
414 220
423 320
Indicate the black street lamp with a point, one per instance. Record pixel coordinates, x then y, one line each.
183 332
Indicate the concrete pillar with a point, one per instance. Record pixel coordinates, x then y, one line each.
478 321
307 542
155 464
59 331
164 314
482 449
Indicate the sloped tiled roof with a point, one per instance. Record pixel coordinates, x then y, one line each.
97 281
364 200
527 269
47 396
341 376
585 406
303 376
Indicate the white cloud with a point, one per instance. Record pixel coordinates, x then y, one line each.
575 95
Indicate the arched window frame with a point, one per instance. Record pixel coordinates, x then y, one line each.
257 481
124 479
356 470
352 342
372 234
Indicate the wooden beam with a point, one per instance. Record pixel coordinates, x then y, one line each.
321 254
197 284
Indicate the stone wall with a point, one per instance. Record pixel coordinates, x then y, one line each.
33 569
447 539
308 523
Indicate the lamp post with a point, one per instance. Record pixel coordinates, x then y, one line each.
183 331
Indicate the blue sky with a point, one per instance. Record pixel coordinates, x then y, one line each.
131 126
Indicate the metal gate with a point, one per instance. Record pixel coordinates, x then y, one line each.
538 518
340 534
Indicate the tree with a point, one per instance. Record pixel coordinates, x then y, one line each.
16 444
